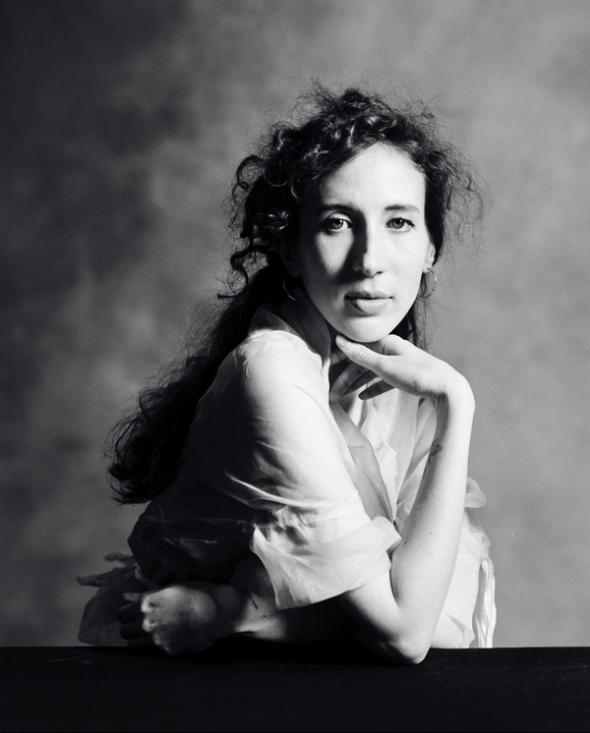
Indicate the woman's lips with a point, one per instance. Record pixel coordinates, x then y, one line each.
368 303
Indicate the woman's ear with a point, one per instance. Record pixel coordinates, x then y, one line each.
430 256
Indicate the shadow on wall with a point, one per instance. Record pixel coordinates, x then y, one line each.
85 100
122 123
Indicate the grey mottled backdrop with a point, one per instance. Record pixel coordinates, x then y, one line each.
122 123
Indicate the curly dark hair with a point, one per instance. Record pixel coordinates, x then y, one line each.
267 196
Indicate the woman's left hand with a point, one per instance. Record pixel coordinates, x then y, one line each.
347 377
401 364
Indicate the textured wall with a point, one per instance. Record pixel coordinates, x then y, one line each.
121 125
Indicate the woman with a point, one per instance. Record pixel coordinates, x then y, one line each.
307 472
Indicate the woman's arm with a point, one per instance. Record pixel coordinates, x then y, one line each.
398 614
188 618
324 622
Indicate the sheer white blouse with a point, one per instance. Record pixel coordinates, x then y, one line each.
286 469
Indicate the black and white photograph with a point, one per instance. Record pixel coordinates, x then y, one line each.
295 353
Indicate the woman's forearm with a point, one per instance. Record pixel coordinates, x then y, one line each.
407 604
321 622
251 615
423 562
397 614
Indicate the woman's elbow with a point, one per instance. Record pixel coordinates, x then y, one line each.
407 649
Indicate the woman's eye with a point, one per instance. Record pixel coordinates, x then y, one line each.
335 224
400 224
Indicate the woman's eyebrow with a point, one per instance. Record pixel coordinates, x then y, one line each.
322 208
402 207
334 206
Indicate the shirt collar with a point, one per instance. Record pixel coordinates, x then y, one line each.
302 318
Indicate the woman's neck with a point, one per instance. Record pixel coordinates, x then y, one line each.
319 335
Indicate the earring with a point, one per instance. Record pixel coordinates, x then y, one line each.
287 291
428 283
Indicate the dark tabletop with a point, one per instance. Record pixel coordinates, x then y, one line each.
260 687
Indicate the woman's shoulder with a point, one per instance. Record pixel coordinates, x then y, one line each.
268 382
270 358
264 346
268 363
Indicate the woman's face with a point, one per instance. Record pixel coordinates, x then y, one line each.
363 243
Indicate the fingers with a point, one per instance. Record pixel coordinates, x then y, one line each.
374 390
350 379
371 355
358 353
364 379
132 624
147 604
392 358
391 345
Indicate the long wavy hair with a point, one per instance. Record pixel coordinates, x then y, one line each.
267 195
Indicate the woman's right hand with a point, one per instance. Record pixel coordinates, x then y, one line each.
177 619
400 364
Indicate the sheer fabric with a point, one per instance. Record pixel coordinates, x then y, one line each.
286 468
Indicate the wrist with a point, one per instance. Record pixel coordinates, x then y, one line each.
230 602
240 611
455 396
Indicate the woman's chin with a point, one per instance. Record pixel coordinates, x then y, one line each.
366 330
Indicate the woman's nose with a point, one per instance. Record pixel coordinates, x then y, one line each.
367 255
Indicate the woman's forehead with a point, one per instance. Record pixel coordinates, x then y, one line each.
380 175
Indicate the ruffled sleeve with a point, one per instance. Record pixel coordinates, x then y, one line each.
311 559
283 464
469 605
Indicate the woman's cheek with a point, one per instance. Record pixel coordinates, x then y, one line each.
323 272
